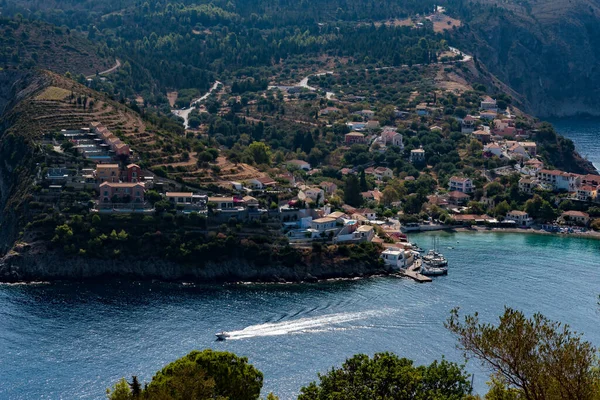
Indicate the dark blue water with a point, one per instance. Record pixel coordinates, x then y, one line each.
585 133
74 340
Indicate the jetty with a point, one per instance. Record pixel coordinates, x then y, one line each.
412 272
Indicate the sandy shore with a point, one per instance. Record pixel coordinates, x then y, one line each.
586 235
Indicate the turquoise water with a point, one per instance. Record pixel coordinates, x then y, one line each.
73 340
585 133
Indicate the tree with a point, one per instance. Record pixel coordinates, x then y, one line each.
502 209
260 153
352 191
387 377
200 375
538 358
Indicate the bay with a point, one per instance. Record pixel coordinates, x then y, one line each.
73 340
584 132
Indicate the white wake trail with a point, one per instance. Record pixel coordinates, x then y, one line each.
306 325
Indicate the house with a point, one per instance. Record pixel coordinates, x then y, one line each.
530 148
383 172
299 164
422 110
261 183
330 110
328 187
187 199
223 203
367 213
467 125
458 198
390 137
121 192
589 179
372 125
356 126
518 151
107 173
520 217
307 193
372 195
493 149
133 173
346 171
460 184
395 257
417 156
338 216
559 180
484 137
323 224
488 104
354 138
364 233
575 218
534 164
488 115
587 193
251 203
528 184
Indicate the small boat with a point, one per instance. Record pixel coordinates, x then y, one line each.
416 247
222 335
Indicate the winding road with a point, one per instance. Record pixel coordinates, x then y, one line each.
108 71
185 113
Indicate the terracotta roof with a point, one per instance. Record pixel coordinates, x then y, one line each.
576 214
102 166
121 184
587 188
458 195
517 212
459 179
179 194
324 220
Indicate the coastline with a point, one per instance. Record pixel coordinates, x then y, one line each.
587 235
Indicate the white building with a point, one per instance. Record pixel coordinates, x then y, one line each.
460 184
395 257
521 218
559 180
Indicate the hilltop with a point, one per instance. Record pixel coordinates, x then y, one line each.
26 44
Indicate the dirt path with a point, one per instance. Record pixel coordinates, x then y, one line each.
108 71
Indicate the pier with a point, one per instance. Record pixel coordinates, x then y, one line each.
411 272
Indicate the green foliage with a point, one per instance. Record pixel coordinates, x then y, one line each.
200 375
538 358
388 377
352 191
260 153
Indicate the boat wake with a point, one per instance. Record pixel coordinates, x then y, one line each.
305 325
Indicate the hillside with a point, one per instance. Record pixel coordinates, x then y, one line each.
548 51
26 44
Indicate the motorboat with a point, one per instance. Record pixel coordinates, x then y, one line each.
416 247
433 271
222 335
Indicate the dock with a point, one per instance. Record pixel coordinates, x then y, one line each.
411 272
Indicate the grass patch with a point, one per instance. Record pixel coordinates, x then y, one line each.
53 93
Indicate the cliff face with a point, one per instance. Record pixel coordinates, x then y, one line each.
36 262
547 54
16 152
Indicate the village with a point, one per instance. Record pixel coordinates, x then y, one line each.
301 204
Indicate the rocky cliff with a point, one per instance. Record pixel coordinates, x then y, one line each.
548 51
37 262
16 151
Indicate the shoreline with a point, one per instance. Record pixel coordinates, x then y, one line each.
587 235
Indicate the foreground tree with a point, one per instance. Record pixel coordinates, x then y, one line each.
388 377
200 375
531 358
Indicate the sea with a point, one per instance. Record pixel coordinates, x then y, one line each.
73 340
585 133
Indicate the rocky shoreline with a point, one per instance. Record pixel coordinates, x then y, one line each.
36 262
